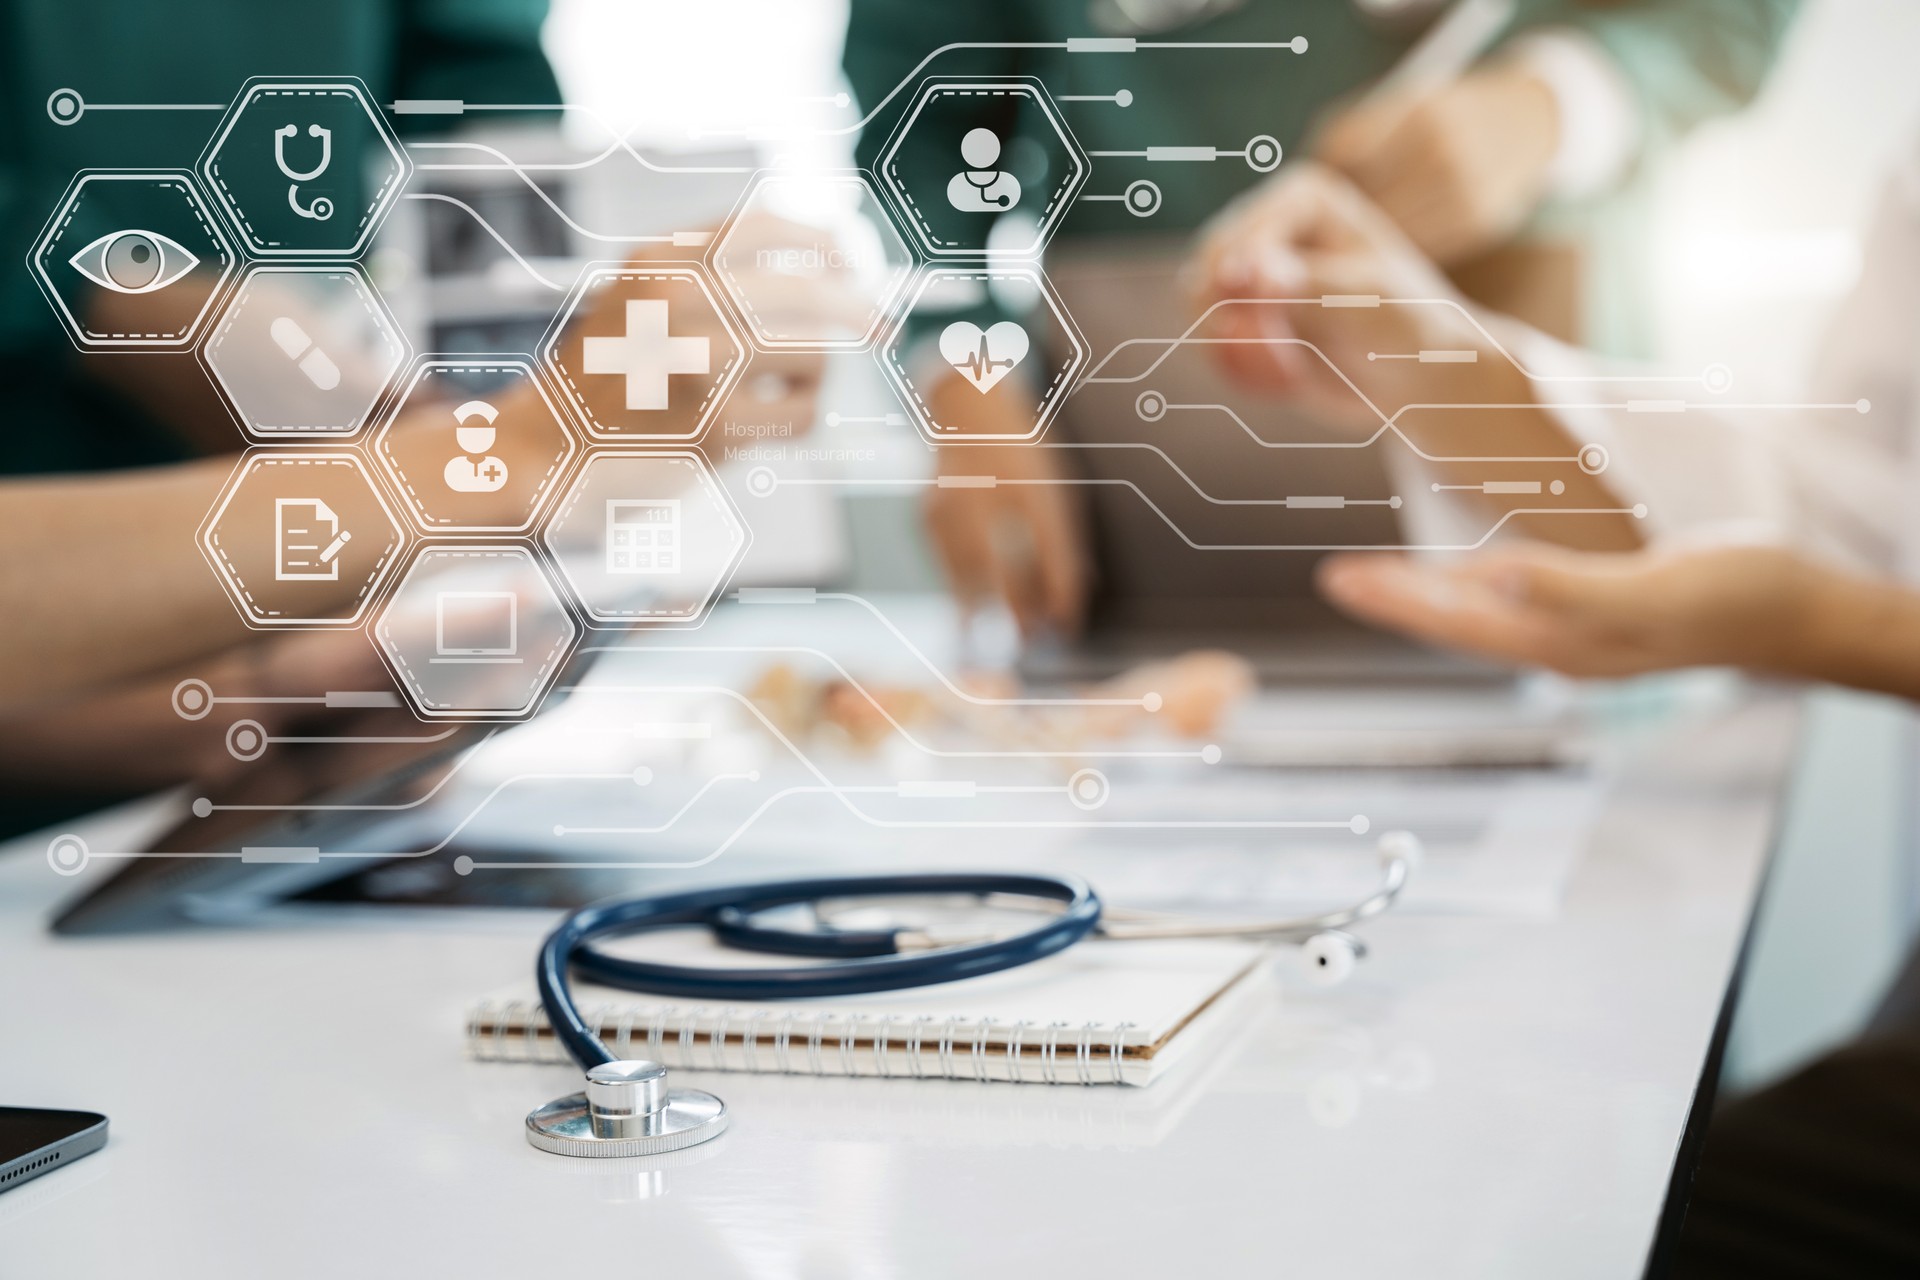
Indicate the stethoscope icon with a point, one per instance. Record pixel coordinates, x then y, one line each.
321 208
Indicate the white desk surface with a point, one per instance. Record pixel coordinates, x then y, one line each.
1487 1097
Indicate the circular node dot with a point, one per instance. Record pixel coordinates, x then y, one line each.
64 106
842 100
559 830
1435 486
1151 702
761 481
1372 356
1210 754
1863 406
1359 824
1717 378
753 775
1088 788
67 854
1142 198
1299 44
1124 98
1394 502
246 740
1263 153
463 865
642 776
1593 459
1150 405
1639 511
202 807
833 418
192 699
1557 488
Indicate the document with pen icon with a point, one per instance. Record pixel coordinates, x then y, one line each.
307 541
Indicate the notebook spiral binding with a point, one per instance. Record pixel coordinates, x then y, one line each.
821 1044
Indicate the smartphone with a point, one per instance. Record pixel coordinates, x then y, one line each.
33 1142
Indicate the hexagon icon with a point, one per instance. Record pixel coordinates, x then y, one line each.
305 167
132 260
306 350
1042 343
646 538
812 260
301 538
643 353
956 167
475 445
475 632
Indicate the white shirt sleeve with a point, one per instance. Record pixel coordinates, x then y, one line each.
1600 124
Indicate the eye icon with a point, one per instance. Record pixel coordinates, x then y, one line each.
134 261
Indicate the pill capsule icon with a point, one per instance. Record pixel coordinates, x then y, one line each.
320 369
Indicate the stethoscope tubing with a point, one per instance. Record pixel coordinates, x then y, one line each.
569 947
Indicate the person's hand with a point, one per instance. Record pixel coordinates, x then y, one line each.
1018 543
1308 233
1458 168
1594 615
128 736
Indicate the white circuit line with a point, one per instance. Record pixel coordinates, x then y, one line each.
955 689
977 700
488 226
459 763
1357 825
1089 753
370 740
560 830
537 189
1638 511
887 715
1186 337
692 800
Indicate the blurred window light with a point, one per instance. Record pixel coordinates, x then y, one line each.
1801 264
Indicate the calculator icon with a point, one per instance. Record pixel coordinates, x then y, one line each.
643 535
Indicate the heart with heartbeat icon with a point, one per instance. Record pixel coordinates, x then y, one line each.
984 356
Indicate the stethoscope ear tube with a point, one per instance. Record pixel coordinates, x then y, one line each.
858 970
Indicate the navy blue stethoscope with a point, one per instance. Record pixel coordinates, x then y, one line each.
626 1108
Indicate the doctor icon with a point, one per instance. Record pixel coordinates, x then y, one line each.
476 470
981 188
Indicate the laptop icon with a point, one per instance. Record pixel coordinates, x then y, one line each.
476 626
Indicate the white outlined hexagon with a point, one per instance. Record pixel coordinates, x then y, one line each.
475 631
255 190
274 537
901 370
181 207
686 418
284 383
628 513
923 209
419 476
868 273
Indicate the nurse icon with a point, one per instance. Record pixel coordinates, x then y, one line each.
981 188
476 470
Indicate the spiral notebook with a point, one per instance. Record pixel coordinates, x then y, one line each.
1099 1013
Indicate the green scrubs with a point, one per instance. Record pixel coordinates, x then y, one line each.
58 417
1685 60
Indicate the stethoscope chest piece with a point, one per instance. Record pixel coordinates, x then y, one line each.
627 1110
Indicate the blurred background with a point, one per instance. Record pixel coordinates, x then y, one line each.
1757 224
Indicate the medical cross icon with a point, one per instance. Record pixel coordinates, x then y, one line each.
646 354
